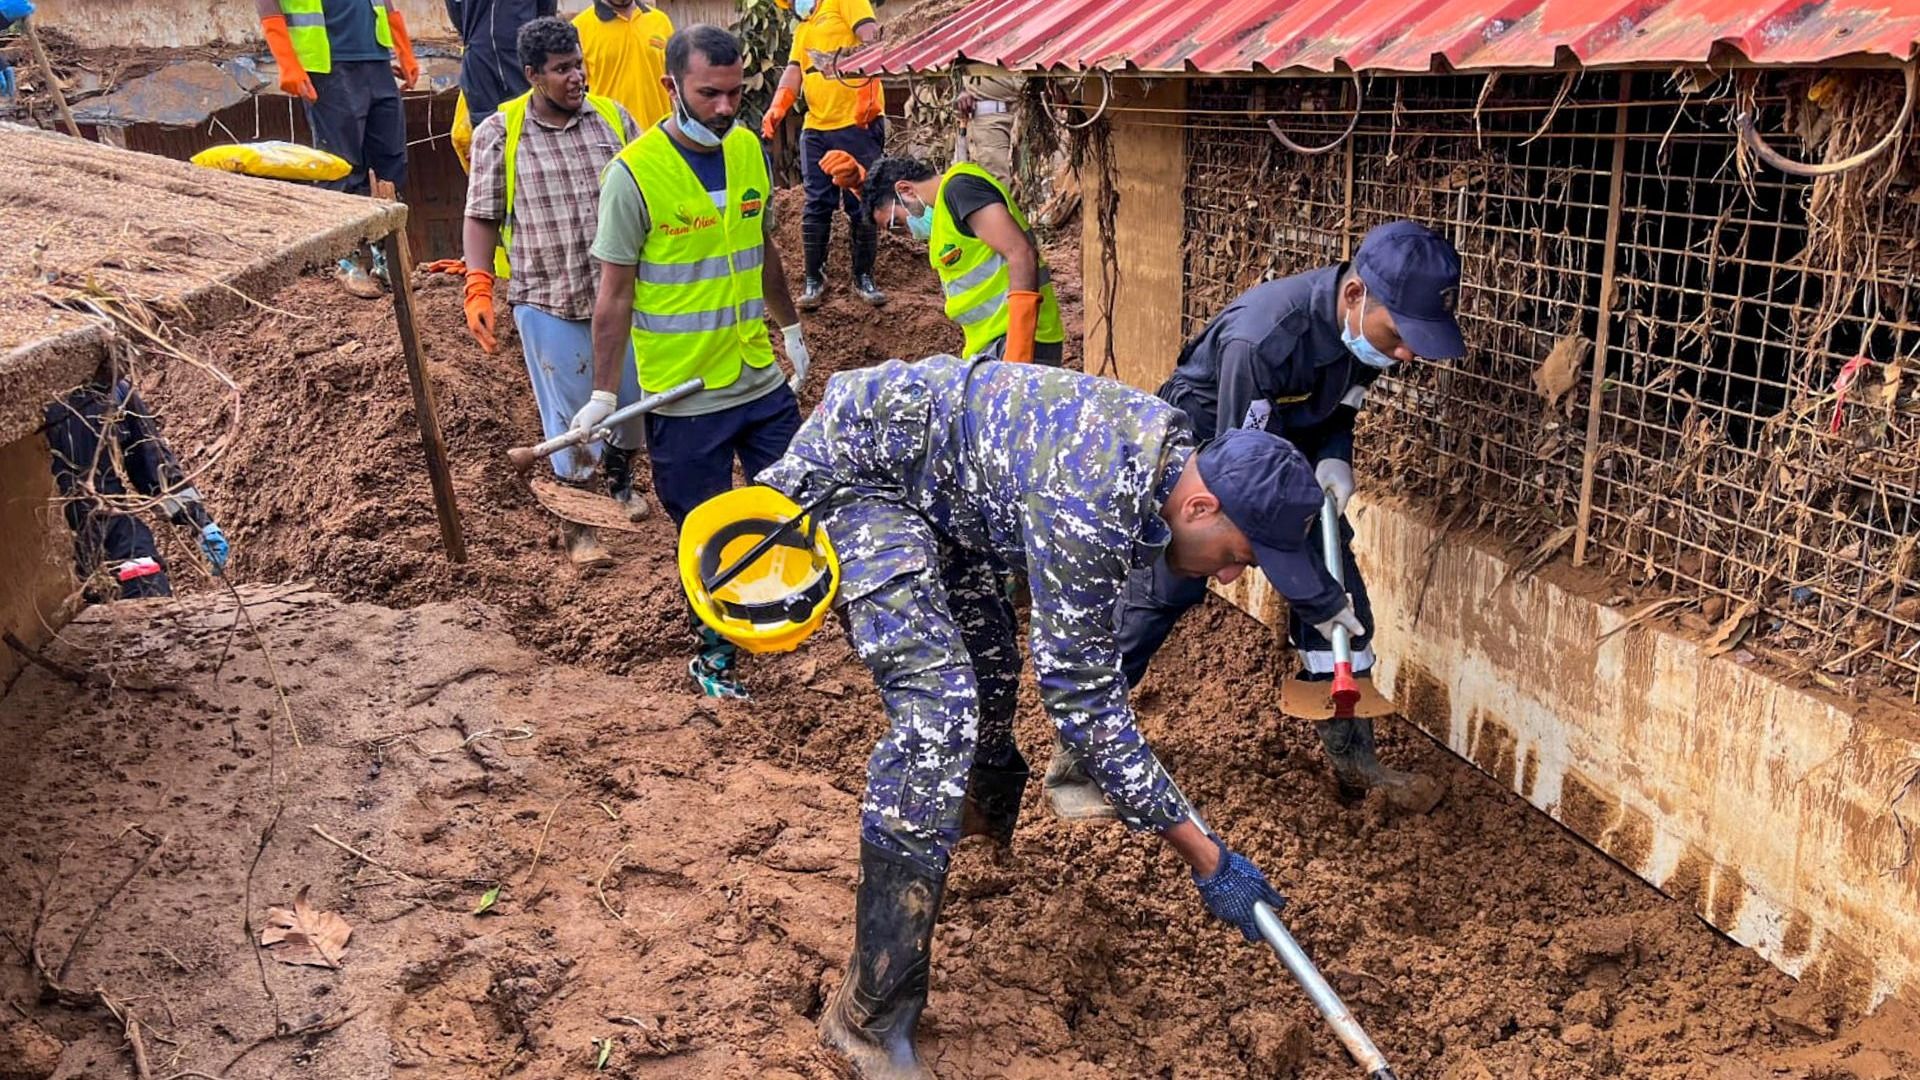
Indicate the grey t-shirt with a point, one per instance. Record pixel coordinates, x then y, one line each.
622 236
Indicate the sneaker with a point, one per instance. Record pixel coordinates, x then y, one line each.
379 271
812 293
868 291
356 281
712 671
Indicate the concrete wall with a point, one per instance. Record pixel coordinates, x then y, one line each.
1784 819
39 571
1150 174
97 24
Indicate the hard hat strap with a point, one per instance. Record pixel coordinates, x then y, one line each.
722 575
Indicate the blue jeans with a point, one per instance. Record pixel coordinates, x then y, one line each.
559 354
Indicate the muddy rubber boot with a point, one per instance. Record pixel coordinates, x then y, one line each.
871 1017
618 463
583 547
812 293
1071 793
864 287
992 805
1357 769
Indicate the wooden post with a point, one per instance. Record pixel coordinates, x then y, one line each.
399 271
46 72
1603 333
1346 219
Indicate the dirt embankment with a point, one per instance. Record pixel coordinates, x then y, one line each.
676 873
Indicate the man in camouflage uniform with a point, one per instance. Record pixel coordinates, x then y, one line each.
941 476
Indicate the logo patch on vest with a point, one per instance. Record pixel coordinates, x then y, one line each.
949 255
750 203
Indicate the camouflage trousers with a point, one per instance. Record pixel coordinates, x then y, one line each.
938 635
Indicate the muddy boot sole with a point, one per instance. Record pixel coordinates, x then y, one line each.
863 1059
1079 802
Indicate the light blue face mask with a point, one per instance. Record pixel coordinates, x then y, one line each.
1360 347
803 9
921 224
699 133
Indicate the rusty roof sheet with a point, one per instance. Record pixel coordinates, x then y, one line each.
1243 36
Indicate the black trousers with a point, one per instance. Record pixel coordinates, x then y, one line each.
359 117
816 221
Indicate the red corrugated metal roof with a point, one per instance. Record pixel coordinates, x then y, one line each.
1227 36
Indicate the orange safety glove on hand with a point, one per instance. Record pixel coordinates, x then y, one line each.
479 305
404 64
867 107
844 168
293 75
1023 316
783 100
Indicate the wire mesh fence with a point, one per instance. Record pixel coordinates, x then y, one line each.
1749 442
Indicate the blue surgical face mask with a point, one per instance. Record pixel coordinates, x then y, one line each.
920 223
803 9
699 133
1362 349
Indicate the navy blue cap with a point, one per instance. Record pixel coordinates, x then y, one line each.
1416 274
1266 488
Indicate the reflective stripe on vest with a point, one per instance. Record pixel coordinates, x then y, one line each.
307 31
974 276
514 115
698 308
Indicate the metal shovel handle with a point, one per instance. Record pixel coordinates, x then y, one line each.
1346 692
1345 1026
523 457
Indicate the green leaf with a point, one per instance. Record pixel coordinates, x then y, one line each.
487 900
606 1053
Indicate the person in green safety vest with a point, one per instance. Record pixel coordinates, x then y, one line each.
688 274
532 211
996 280
341 57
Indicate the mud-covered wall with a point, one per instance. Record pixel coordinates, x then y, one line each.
1148 167
99 24
1785 820
39 570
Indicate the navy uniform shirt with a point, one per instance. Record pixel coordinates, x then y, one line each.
1273 360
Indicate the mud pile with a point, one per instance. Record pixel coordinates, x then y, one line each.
677 873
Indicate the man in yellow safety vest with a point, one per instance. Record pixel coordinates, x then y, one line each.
996 281
341 57
531 216
688 272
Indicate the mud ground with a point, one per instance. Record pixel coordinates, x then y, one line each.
676 874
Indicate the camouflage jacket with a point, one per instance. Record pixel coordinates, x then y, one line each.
1051 473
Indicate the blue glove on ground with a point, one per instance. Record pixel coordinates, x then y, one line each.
1233 890
214 543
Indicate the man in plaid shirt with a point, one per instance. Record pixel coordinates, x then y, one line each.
532 213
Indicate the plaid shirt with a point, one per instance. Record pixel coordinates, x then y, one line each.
556 201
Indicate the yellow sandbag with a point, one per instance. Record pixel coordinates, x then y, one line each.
275 160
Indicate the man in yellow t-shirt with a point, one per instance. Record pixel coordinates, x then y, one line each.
625 43
847 115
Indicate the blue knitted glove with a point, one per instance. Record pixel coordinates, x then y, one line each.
214 543
1233 890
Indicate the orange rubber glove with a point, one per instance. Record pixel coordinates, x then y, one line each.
479 305
405 65
783 100
445 266
294 80
844 168
867 107
1023 317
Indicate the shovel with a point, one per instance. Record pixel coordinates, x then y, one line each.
523 457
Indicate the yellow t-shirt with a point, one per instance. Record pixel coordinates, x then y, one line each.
626 58
831 104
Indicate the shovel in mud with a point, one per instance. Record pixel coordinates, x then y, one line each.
585 507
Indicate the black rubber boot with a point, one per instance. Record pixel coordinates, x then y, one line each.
863 286
871 1017
812 292
618 464
1357 768
992 807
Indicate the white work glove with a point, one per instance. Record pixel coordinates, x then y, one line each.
796 353
1335 476
598 408
1344 617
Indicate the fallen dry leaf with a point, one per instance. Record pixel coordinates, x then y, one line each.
307 936
1560 371
1733 630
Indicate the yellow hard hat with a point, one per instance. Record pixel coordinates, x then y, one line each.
757 568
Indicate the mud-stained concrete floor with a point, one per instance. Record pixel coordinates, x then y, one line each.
676 875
